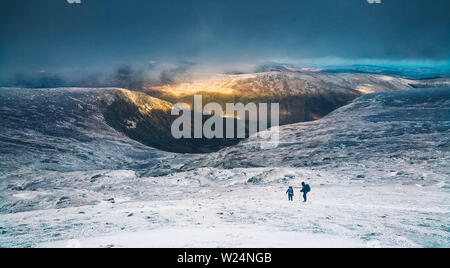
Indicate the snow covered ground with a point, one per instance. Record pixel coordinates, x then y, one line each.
230 212
224 237
379 171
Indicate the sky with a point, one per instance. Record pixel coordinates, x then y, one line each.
98 35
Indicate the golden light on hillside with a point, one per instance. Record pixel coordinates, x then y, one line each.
145 103
366 88
216 84
184 89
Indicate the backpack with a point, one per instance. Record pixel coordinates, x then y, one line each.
307 188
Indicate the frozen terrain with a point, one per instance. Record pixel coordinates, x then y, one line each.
230 212
378 167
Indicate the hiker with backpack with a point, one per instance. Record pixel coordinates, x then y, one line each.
305 190
290 193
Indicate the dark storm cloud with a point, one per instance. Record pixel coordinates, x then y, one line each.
98 35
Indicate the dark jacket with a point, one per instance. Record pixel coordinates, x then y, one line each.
290 191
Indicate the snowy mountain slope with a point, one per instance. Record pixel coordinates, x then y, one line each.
45 134
284 83
303 95
378 168
218 208
65 130
382 131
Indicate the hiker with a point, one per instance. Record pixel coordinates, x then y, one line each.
290 193
305 190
